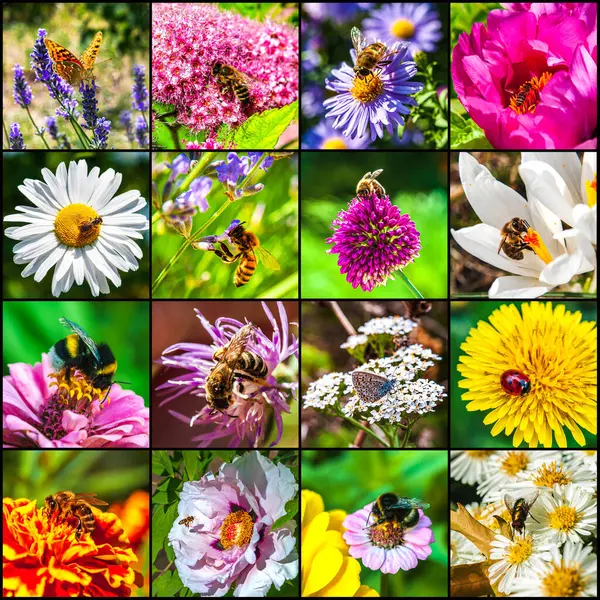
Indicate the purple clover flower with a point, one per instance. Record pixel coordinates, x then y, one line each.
21 90
15 138
324 137
182 210
249 428
373 239
139 92
141 131
125 118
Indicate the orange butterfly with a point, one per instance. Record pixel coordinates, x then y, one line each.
68 66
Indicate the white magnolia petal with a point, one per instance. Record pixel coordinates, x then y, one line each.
566 164
579 244
562 269
588 173
548 225
585 220
518 287
493 202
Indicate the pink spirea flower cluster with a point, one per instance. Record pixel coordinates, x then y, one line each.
188 39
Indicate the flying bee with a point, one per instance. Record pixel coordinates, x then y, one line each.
369 56
512 238
519 509
369 185
67 504
522 95
187 521
248 250
238 82
85 227
397 511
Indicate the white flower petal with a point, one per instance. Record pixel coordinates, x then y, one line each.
585 220
548 225
108 184
57 184
26 231
561 270
121 202
50 260
588 173
566 164
518 287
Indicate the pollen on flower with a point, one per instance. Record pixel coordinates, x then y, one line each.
564 582
564 518
520 550
591 190
236 530
77 225
534 239
527 97
549 474
514 463
387 535
367 89
403 29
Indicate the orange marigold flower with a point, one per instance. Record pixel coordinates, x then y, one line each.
43 558
135 515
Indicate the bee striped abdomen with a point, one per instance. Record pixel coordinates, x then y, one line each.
253 364
241 91
245 270
522 95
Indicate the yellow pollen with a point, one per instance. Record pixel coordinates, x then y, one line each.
520 550
534 239
527 97
480 454
403 28
69 222
77 392
564 582
334 143
564 519
514 463
236 530
591 191
549 474
367 89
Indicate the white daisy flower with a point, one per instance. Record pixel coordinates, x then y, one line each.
567 514
78 227
574 574
518 558
576 458
470 466
463 551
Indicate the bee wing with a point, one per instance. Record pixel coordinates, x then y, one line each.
87 340
410 503
376 173
237 345
91 499
359 41
502 243
267 258
509 501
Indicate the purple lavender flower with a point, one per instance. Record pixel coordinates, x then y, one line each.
245 424
21 90
125 118
373 239
15 138
256 156
338 12
208 242
372 104
101 133
62 140
141 131
182 210
139 92
179 166
99 125
324 137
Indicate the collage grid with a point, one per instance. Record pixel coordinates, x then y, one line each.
294 423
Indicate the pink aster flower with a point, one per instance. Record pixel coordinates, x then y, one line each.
188 39
529 79
230 541
36 413
244 423
387 548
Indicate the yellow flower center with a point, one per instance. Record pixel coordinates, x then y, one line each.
591 191
514 463
534 239
564 518
528 96
334 143
387 535
403 28
236 530
549 474
564 582
77 225
480 454
520 550
367 89
76 392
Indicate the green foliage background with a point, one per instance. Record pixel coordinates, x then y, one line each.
272 214
19 166
350 479
31 328
416 182
466 428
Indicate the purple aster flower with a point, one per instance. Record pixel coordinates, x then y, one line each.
387 548
125 118
312 100
414 22
141 131
373 239
338 12
182 210
139 92
244 424
372 104
324 137
15 138
21 90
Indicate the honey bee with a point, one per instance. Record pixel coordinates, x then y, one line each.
519 509
522 95
369 56
84 227
369 185
233 361
237 81
67 504
187 521
512 241
248 250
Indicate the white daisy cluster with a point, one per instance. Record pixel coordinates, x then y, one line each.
388 325
328 390
553 555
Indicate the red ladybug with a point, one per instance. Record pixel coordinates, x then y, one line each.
515 383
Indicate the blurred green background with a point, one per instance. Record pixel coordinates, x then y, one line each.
124 26
272 215
349 479
31 328
415 181
28 165
466 428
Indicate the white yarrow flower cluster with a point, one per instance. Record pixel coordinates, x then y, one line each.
354 341
388 325
327 390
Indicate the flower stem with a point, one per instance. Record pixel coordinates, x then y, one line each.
36 128
407 433
364 428
343 319
6 133
384 585
416 293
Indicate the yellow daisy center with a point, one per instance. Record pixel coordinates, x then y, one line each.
403 29
367 89
514 463
520 550
77 225
527 97
236 530
564 582
549 474
591 191
334 143
564 518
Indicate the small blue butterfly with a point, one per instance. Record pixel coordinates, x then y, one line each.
370 386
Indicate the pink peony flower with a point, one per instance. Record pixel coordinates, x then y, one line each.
230 541
529 79
188 39
384 547
37 414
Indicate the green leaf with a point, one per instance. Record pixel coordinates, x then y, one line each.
291 508
162 521
225 455
167 584
262 131
466 134
161 463
190 459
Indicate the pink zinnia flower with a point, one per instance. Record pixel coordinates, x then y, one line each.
188 39
37 414
529 79
384 547
230 541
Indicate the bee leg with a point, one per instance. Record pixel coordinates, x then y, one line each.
79 529
225 254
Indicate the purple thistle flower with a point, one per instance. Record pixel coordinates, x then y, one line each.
15 138
182 210
141 131
21 90
373 239
249 428
125 118
139 92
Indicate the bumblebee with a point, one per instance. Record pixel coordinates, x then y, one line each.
400 512
79 352
519 509
369 56
67 504
512 238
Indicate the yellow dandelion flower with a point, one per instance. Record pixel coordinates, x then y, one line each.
327 568
555 350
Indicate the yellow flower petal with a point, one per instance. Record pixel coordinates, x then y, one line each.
312 505
347 580
323 569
